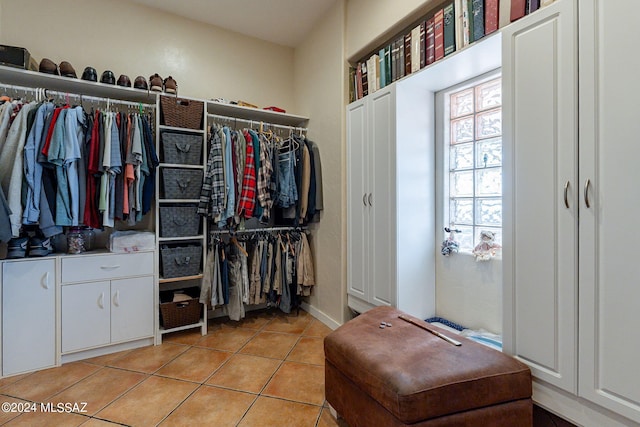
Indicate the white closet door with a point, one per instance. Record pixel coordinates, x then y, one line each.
131 308
28 316
383 201
358 184
86 314
540 146
609 231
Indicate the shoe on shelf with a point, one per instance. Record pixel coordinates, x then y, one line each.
90 74
108 77
124 81
170 85
155 83
66 70
47 66
140 83
40 246
17 247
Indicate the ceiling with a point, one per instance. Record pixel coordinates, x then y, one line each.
285 22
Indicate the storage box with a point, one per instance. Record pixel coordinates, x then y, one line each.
181 183
180 112
180 261
180 313
181 148
179 221
18 57
132 241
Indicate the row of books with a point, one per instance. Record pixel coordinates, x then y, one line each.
453 27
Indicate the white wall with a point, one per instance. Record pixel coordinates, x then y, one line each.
320 94
370 23
132 39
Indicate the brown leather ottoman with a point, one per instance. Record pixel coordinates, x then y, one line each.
405 376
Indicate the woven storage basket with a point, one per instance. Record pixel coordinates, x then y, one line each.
181 261
179 221
182 183
181 148
182 113
175 314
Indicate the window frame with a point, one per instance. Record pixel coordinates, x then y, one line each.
442 145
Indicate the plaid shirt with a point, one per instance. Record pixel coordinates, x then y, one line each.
264 178
213 187
248 196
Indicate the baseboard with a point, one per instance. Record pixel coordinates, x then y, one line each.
320 315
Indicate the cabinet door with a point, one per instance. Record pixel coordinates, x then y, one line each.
85 315
131 308
358 183
28 316
383 202
540 198
609 156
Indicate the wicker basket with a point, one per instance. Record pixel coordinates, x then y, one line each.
181 183
179 221
180 261
175 314
182 113
181 148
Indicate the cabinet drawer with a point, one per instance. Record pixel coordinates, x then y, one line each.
106 266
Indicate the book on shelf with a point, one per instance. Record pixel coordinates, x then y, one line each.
383 69
353 83
478 19
490 16
365 80
504 13
372 77
438 31
423 44
449 29
430 51
376 61
517 9
470 15
401 57
394 60
387 63
415 49
358 81
532 5
460 26
407 54
544 3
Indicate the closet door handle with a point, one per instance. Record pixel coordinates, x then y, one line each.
109 267
566 189
101 300
370 204
587 184
45 281
116 299
364 199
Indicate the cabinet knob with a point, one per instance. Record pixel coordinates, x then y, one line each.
364 199
370 195
101 300
116 299
45 281
566 189
587 184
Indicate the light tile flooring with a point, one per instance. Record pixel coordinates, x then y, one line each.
266 370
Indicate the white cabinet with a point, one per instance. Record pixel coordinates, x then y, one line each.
390 164
571 284
28 315
540 144
103 312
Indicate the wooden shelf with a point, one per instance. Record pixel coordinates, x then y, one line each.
255 114
180 279
34 79
184 130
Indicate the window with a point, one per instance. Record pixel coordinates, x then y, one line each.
473 146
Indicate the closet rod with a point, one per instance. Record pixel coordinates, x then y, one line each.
254 230
230 118
77 96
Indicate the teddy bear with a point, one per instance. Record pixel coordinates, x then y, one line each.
487 248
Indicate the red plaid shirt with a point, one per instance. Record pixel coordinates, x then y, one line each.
248 196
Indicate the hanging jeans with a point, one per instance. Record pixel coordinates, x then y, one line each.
287 194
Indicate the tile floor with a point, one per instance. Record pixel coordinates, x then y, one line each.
266 370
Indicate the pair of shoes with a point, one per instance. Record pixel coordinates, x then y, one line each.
47 66
35 246
167 85
140 83
124 81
